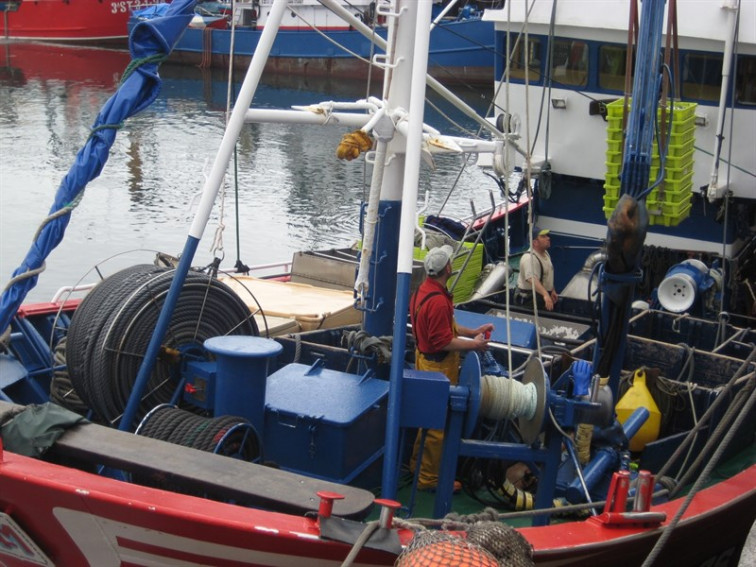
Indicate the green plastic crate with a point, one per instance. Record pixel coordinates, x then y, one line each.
611 190
614 157
614 145
675 191
613 168
684 112
670 220
670 209
678 138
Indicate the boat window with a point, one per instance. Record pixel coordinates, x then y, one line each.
745 80
517 69
570 66
701 76
612 67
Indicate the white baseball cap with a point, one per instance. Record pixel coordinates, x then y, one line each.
437 258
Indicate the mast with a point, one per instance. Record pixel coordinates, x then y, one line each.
209 193
411 57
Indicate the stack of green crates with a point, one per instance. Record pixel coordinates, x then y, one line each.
669 203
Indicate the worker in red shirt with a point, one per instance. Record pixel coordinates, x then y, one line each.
438 344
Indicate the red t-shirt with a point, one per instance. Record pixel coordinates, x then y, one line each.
433 322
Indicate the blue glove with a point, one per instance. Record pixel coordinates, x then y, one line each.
582 370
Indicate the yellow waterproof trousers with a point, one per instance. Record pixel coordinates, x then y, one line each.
431 460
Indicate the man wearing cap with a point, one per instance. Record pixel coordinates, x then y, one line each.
537 273
438 344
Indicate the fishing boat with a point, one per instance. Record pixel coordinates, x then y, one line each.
315 41
73 21
701 200
181 434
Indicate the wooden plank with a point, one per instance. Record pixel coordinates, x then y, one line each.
199 472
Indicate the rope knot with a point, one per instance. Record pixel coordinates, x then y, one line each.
353 144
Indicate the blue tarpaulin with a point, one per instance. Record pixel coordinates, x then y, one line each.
149 43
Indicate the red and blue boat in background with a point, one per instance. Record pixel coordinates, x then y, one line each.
70 21
315 41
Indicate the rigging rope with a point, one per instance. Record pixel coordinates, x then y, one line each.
668 529
720 399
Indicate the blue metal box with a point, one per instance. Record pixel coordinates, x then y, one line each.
425 399
523 334
324 423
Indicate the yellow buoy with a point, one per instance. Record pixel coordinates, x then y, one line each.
638 395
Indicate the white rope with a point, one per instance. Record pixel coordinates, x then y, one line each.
505 398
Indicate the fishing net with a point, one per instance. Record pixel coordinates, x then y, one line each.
487 544
438 549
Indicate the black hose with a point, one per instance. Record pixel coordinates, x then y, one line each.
226 435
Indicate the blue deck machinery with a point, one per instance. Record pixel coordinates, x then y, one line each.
577 396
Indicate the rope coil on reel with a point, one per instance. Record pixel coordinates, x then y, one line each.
506 398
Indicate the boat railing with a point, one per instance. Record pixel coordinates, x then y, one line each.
281 269
65 292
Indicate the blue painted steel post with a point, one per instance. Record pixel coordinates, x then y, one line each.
161 328
416 37
241 376
379 315
452 440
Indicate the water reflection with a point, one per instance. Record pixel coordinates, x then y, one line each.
291 191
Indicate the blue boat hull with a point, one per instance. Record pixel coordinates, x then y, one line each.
460 52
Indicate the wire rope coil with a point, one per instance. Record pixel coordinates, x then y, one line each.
230 436
110 332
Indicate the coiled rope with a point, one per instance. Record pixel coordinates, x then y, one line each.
505 398
62 391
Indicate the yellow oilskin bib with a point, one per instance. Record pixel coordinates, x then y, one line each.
434 439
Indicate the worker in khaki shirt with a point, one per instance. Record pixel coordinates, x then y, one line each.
536 276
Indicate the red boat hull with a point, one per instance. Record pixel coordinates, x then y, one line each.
70 20
69 517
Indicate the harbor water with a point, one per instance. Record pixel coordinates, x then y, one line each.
285 187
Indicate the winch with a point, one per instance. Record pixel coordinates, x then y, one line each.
543 413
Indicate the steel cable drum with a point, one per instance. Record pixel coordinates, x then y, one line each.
87 322
227 435
126 319
62 391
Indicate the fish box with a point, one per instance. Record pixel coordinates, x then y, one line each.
324 423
